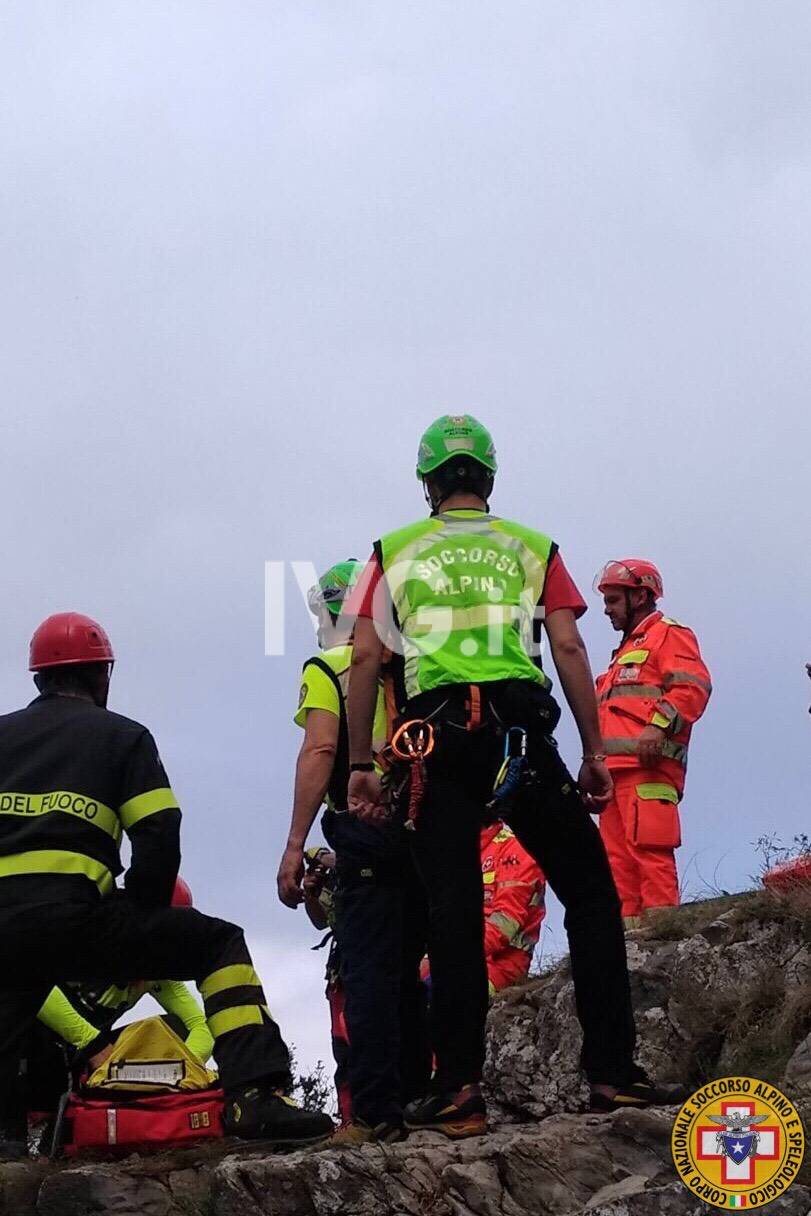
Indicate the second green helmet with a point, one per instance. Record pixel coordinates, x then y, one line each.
455 435
333 587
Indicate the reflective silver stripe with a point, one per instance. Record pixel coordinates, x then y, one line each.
525 941
630 747
506 925
456 620
630 690
686 677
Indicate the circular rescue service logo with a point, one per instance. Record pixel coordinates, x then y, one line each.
737 1143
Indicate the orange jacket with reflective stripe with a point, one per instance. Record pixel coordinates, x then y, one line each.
514 890
656 676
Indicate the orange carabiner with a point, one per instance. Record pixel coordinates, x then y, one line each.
413 741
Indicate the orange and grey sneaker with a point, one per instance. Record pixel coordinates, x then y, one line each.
456 1115
351 1135
260 1112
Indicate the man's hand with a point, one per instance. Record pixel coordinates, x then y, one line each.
101 1057
649 746
366 797
595 784
289 878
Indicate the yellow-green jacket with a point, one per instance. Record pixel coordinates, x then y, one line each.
79 1014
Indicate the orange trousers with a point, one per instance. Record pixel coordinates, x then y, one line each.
640 832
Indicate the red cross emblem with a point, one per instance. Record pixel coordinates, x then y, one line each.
713 1144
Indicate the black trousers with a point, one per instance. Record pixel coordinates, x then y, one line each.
551 822
381 933
116 941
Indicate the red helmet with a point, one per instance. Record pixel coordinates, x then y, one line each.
69 637
628 573
181 896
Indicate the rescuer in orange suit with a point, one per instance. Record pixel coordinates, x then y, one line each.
655 688
514 893
514 890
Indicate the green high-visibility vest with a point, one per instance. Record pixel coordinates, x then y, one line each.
465 586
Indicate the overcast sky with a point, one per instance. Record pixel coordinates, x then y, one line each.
250 249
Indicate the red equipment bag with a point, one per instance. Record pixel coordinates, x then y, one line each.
789 875
159 1120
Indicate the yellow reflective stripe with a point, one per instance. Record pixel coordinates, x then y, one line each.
657 790
660 720
633 656
85 809
238 975
138 808
114 996
630 690
686 677
235 1019
57 861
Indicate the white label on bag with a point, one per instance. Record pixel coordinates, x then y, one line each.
164 1072
112 1125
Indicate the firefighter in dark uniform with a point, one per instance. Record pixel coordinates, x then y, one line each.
73 778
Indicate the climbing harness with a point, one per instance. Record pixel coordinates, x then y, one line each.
413 742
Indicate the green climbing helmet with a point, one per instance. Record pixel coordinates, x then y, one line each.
455 435
333 587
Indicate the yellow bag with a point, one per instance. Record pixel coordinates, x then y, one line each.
148 1057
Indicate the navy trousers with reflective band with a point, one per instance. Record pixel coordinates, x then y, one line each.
119 941
381 932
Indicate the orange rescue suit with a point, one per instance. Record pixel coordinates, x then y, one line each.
514 890
656 677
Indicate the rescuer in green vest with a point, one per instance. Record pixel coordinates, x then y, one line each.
460 597
379 932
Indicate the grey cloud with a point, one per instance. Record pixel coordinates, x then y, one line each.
249 250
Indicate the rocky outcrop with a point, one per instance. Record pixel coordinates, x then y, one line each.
719 988
567 1165
797 1079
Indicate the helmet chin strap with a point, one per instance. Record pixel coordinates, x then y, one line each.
628 614
631 614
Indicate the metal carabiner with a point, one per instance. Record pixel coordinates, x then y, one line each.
413 746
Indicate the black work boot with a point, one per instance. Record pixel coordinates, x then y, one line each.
456 1115
261 1112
